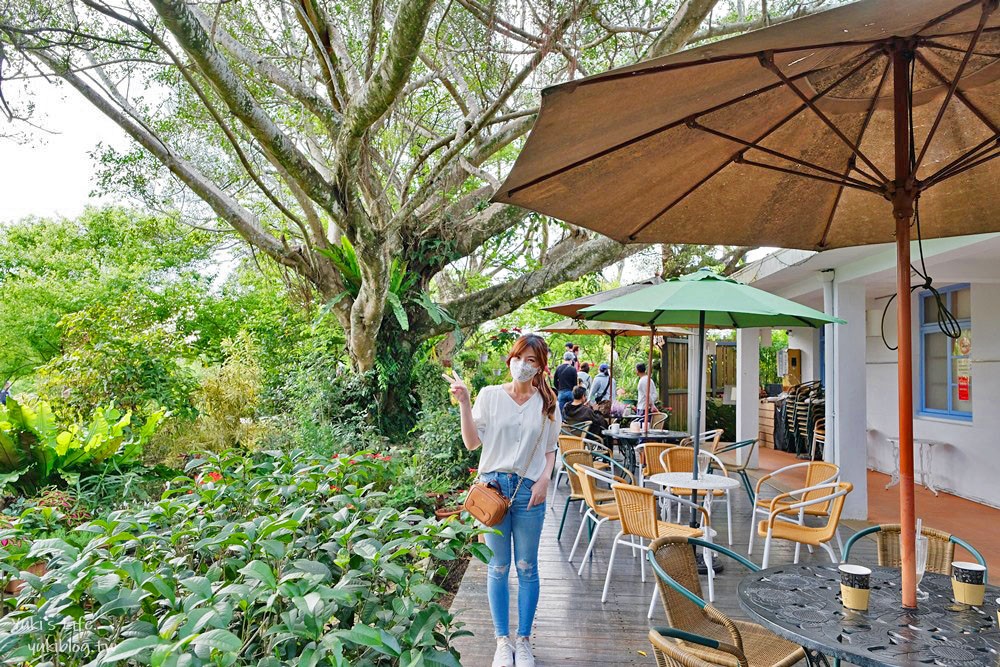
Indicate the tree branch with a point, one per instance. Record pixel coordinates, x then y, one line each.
685 21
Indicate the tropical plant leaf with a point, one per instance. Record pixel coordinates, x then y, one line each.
398 311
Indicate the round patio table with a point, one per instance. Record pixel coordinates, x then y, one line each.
802 604
628 439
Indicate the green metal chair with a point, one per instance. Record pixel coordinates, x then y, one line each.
940 547
701 633
741 469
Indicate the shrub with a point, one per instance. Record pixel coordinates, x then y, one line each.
37 448
267 559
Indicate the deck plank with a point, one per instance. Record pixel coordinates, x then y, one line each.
572 626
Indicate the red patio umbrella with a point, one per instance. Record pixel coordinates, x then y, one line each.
811 134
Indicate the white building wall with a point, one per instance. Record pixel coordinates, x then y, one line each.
968 466
806 340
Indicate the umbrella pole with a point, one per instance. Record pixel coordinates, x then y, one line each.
611 371
700 396
649 379
903 198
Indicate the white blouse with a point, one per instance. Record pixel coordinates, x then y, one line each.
509 432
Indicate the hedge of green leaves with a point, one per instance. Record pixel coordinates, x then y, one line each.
272 559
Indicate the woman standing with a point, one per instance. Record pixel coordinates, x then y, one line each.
517 424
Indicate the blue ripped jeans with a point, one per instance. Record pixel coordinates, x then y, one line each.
523 526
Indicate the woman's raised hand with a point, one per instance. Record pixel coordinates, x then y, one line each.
458 387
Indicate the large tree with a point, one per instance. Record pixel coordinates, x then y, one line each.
389 123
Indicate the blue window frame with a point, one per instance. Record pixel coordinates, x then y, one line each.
942 359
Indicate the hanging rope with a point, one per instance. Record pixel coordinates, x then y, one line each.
946 322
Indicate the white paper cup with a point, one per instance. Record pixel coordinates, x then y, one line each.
855 586
968 582
616 427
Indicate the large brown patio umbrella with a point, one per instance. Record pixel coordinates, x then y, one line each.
822 132
613 330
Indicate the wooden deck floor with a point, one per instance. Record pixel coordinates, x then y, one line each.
572 627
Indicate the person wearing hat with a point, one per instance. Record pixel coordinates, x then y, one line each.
564 379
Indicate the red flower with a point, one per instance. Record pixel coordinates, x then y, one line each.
473 471
334 487
210 477
335 456
504 330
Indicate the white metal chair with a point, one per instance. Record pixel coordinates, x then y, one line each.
817 474
681 459
638 516
832 495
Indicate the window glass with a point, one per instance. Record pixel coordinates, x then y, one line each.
930 310
936 371
961 304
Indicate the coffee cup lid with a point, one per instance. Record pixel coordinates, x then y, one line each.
966 565
854 569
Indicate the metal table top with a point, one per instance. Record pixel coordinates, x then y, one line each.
802 604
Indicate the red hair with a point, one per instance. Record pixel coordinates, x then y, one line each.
536 344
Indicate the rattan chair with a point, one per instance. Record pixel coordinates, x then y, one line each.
701 635
681 459
578 428
649 456
818 439
658 419
569 459
832 496
598 513
725 453
639 518
817 474
572 443
940 547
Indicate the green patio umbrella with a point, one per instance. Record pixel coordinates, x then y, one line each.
705 299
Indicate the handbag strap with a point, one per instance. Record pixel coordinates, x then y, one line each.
520 477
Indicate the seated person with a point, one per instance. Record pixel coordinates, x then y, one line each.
579 410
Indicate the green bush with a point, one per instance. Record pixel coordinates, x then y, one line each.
38 448
718 415
267 559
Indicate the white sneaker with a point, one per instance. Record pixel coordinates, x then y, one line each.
504 657
524 657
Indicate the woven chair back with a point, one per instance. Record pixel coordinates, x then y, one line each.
570 443
570 459
670 654
588 483
658 419
710 440
676 557
940 548
834 507
636 510
820 472
679 459
651 452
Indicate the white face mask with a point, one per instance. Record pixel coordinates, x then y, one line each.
521 371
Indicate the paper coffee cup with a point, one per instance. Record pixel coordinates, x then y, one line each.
616 427
636 426
968 583
855 586
998 612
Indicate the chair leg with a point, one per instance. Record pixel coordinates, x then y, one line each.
563 522
729 517
652 603
748 486
753 528
611 565
840 543
590 547
642 559
767 550
829 550
579 534
798 548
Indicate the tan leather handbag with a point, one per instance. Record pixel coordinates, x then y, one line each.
487 503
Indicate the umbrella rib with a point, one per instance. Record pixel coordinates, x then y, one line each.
852 162
755 146
735 156
637 139
792 172
973 154
958 93
964 168
768 62
984 16
947 15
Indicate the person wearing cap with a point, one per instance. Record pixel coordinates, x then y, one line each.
564 379
602 389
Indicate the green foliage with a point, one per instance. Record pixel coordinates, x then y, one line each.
36 448
272 559
122 353
718 415
50 268
227 401
440 454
